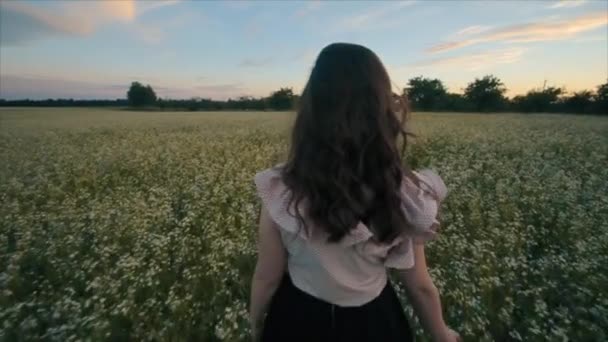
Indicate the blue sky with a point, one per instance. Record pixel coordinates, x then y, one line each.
221 49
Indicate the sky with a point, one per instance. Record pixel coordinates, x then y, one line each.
221 49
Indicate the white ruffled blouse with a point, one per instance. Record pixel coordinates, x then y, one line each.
351 272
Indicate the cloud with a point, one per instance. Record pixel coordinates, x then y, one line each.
43 87
567 4
311 6
253 62
150 5
476 29
531 32
452 45
22 22
371 19
475 61
106 10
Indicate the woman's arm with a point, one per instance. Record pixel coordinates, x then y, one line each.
425 298
269 270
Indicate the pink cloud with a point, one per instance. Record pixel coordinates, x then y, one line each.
476 61
531 32
25 22
376 18
61 22
475 29
567 4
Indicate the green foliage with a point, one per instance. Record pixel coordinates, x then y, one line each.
139 95
486 94
282 99
457 103
601 99
602 93
425 93
538 100
117 228
579 102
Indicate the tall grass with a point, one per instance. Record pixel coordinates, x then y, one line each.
141 226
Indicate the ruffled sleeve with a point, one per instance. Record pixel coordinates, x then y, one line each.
434 182
275 197
421 201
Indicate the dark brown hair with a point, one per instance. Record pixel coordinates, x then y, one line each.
344 161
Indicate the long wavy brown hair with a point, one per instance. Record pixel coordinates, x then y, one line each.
345 161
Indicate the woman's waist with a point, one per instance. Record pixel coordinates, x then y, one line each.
338 288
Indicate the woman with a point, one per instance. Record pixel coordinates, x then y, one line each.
342 210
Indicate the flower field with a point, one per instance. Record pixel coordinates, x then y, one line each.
125 226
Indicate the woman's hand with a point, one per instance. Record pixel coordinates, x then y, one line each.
424 297
452 336
256 331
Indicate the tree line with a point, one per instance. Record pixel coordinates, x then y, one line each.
485 94
141 96
64 103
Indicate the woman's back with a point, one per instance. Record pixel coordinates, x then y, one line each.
341 210
353 271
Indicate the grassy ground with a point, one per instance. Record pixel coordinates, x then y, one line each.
120 225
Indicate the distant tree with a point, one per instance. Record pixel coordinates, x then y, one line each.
426 93
579 102
601 99
281 99
140 95
486 94
456 103
193 104
538 100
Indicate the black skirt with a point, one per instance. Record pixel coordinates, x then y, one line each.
297 316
